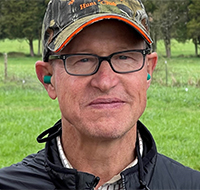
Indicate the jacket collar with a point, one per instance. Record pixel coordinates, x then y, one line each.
72 179
139 177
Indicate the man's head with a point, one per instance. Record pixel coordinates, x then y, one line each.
100 78
64 19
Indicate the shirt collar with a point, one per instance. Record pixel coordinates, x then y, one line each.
117 177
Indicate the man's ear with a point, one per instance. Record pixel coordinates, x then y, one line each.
151 65
45 69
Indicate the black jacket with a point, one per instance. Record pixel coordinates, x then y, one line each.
44 170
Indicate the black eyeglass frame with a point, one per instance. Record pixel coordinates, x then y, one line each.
144 52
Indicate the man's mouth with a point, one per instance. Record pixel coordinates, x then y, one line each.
106 103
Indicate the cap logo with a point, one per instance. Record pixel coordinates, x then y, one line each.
89 4
86 5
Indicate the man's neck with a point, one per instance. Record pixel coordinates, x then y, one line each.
102 158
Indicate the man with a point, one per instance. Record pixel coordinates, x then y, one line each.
97 62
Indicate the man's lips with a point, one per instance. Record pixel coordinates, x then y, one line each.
106 103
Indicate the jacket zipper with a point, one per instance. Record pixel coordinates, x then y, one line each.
123 182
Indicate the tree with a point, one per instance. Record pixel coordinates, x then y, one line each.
171 21
163 17
22 19
180 28
193 25
151 8
168 20
2 34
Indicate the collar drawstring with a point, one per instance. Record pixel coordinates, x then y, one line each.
51 132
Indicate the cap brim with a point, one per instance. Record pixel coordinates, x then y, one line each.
73 29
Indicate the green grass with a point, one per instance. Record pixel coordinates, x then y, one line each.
181 71
172 112
26 110
17 46
172 115
177 49
24 114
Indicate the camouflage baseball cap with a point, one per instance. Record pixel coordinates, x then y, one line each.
64 19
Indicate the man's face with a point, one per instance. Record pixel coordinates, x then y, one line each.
105 105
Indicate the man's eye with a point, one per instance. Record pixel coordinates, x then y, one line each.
84 60
123 57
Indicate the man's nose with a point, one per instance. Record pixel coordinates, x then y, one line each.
105 78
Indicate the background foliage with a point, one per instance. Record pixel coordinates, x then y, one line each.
21 19
177 19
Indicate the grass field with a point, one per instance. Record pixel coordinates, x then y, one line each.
172 113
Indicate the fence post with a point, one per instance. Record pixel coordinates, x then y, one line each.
5 65
166 72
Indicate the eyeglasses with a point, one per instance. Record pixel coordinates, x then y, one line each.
82 64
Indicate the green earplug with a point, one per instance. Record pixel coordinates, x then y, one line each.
148 76
47 79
